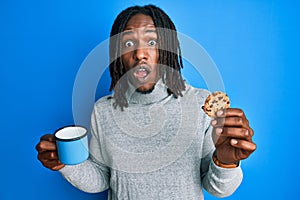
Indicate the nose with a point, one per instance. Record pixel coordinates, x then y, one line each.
141 53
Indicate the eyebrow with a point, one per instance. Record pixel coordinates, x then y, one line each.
151 31
129 32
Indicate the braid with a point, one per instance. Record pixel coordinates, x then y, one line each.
168 49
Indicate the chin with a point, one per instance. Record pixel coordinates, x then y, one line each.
145 89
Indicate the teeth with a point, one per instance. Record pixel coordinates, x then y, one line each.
142 69
141 73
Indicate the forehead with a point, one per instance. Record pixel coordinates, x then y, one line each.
139 21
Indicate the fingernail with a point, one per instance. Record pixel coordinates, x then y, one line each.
214 122
219 112
234 141
218 131
246 133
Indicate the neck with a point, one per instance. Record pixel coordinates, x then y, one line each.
157 93
147 91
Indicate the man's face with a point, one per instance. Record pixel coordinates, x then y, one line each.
140 52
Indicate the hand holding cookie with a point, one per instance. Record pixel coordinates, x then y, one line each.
232 134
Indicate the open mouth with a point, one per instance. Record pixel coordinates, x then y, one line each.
141 72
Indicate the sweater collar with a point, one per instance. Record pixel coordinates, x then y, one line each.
157 94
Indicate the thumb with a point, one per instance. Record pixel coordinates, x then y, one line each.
48 137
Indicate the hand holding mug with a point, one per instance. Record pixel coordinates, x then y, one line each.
67 146
47 152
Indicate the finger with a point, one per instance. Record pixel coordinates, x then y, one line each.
230 112
251 131
234 132
243 144
52 164
48 155
217 137
230 121
48 137
46 146
57 167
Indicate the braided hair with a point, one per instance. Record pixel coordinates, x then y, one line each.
168 49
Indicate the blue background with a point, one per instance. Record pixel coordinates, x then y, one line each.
255 45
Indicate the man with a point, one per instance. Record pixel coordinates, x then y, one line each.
152 140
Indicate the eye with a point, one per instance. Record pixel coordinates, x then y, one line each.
152 42
129 43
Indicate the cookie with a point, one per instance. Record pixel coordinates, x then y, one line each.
214 102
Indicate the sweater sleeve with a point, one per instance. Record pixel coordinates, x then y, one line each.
218 181
90 176
87 176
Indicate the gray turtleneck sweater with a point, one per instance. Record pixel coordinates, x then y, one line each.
160 147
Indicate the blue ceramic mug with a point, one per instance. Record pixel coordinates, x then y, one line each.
72 144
